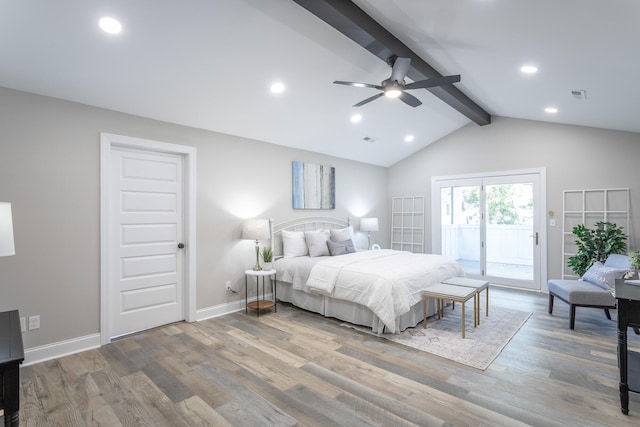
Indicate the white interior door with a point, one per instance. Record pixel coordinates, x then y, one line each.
146 229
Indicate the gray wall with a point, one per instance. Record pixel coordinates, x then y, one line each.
575 158
49 170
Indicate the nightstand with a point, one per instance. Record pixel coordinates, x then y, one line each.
260 304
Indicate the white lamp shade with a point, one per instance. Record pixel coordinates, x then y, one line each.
256 229
7 247
369 224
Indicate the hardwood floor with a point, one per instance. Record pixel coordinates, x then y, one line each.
298 368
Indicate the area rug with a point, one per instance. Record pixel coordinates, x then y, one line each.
443 337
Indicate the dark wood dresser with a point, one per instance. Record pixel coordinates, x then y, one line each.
628 300
11 356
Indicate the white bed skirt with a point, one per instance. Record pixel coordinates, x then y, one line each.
348 311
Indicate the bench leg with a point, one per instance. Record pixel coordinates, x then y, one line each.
606 312
476 314
572 317
462 320
550 303
486 295
424 307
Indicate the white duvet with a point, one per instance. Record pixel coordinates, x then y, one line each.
388 282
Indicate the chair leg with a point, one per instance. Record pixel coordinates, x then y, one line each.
550 303
606 312
572 318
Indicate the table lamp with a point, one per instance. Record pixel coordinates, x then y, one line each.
256 229
7 247
369 225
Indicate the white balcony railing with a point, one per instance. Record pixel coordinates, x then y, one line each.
506 244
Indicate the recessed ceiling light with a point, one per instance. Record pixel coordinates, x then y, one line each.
277 87
551 110
408 138
529 69
110 25
356 118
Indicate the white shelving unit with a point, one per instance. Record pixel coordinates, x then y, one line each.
407 224
589 207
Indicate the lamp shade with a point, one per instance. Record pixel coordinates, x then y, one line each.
7 247
256 229
369 224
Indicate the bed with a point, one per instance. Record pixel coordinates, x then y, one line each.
379 289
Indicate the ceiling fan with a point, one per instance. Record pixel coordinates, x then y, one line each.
395 87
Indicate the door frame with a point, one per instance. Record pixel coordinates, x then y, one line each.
541 172
107 142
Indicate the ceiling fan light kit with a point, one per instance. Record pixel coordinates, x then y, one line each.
392 93
395 87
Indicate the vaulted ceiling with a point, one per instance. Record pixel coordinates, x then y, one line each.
210 64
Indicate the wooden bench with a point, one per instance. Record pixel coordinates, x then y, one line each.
446 292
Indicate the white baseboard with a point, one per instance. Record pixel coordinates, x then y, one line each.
76 345
219 310
60 349
222 309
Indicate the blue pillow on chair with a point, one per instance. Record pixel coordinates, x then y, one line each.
603 276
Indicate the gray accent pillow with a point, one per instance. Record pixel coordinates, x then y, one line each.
341 248
602 276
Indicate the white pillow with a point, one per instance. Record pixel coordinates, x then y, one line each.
293 244
342 234
317 243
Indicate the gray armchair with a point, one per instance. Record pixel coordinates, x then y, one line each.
594 290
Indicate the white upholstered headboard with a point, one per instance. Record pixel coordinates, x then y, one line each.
309 223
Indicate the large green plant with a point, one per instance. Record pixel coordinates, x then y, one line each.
596 245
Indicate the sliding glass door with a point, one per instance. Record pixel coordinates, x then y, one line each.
491 226
460 225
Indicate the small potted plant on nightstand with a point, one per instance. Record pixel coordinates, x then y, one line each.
267 258
634 259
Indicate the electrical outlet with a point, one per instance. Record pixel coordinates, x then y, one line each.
228 285
23 324
34 322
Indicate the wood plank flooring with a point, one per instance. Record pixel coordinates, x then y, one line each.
297 368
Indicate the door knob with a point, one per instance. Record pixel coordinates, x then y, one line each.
180 245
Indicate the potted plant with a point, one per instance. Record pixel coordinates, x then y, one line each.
596 245
267 258
634 259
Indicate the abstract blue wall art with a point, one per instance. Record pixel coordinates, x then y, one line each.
314 186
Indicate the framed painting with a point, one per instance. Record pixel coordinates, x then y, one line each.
314 186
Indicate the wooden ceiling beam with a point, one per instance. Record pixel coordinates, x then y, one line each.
353 22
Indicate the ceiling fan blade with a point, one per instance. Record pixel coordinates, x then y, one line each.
356 84
409 99
372 98
400 69
437 81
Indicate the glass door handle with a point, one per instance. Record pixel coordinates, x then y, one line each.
536 236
